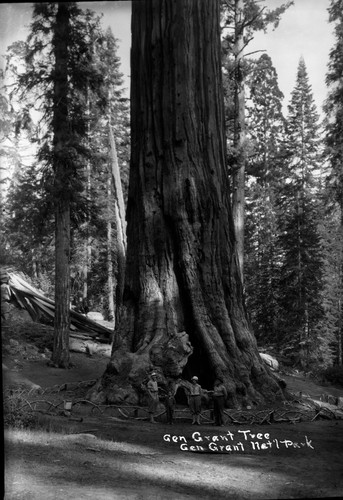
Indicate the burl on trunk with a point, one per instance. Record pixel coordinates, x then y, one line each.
183 310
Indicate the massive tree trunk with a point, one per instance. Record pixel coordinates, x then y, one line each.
182 311
60 354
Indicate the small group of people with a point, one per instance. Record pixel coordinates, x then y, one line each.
195 393
169 401
219 395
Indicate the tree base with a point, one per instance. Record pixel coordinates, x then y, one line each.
127 373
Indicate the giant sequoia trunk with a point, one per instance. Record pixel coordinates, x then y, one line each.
182 311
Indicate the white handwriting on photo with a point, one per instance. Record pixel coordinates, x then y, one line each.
239 441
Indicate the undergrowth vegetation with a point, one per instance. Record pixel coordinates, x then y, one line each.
17 414
334 375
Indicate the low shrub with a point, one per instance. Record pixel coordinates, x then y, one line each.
334 375
17 412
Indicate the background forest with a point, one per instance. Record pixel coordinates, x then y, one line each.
286 176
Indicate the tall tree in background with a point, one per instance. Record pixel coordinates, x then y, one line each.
330 327
265 122
27 237
30 203
301 272
182 310
334 184
110 137
7 144
57 75
241 19
265 135
65 171
118 140
20 193
239 133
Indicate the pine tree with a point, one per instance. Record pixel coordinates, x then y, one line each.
261 263
7 150
240 19
334 182
58 72
329 329
27 233
112 119
300 281
265 132
265 121
25 243
103 104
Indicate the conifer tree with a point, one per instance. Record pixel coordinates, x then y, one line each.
58 72
265 133
25 245
334 182
27 233
265 121
300 281
108 131
330 327
7 150
103 103
241 18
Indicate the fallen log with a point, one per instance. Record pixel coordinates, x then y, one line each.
36 303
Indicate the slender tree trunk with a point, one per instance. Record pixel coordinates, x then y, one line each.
88 243
340 334
183 311
120 227
299 265
86 267
340 298
118 190
110 284
238 175
60 354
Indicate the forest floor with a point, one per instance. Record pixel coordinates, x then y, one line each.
100 456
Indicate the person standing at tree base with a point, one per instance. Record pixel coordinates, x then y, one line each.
152 387
194 400
219 398
170 404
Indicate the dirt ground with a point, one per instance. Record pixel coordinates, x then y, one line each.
109 457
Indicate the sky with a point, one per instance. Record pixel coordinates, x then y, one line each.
303 31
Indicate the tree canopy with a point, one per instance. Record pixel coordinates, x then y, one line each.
201 110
